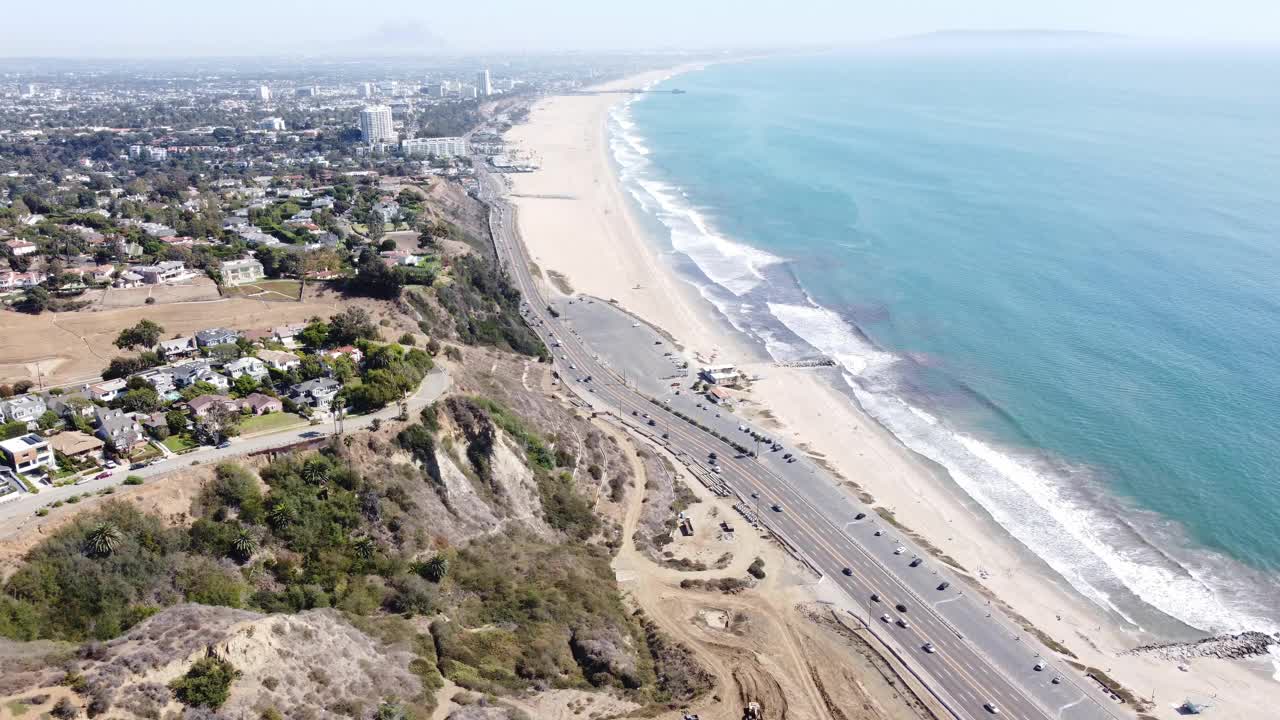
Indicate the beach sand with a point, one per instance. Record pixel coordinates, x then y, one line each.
577 221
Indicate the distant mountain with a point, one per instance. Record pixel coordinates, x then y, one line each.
1006 40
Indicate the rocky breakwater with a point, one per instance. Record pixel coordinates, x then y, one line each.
1239 646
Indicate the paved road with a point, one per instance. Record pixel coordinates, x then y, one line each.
980 656
433 386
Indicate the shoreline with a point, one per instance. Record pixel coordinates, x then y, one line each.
595 239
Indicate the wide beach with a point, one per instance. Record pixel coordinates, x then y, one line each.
577 220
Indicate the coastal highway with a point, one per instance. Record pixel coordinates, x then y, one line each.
980 659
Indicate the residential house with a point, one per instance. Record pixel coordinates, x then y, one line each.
318 393
195 371
107 390
202 405
216 336
178 347
164 272
258 336
28 455
128 279
161 379
77 445
251 366
120 431
20 247
282 361
288 334
389 210
68 405
156 425
238 272
260 404
103 273
24 408
348 351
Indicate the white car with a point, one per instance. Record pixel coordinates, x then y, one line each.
899 550
929 648
1040 665
886 618
991 708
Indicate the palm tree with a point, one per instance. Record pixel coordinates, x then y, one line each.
364 547
244 545
436 568
315 473
280 514
103 539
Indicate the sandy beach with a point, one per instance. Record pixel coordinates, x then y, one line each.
577 221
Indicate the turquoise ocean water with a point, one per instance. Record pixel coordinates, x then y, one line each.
1055 274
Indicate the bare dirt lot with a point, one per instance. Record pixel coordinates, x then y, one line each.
61 348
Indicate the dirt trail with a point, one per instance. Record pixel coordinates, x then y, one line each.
757 643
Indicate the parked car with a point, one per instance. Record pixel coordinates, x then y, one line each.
224 444
102 476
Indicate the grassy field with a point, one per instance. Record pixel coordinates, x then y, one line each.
270 422
178 443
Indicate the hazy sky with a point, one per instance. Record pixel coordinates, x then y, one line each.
79 28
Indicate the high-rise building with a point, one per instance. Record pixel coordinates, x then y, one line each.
264 93
271 123
375 124
366 90
483 84
440 147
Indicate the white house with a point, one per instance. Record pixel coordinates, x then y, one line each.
251 366
178 346
20 247
24 408
238 272
282 361
107 390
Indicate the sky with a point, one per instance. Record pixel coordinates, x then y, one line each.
183 28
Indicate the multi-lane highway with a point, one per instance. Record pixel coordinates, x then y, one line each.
973 659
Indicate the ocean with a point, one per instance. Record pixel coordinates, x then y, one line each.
1057 275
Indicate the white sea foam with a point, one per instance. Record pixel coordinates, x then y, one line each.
1032 500
734 266
1023 494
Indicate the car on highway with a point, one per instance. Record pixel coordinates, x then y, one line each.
848 571
786 456
944 585
777 507
715 469
899 550
755 495
875 597
878 533
902 623
666 435
929 648
102 476
652 422
901 607
859 516
1041 665
991 708
885 618
916 562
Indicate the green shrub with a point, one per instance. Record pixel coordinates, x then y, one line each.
206 684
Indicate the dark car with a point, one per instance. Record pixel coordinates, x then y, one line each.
652 422
944 585
848 571
777 507
875 597
916 562
901 607
859 516
137 466
666 435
